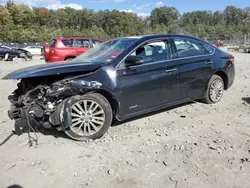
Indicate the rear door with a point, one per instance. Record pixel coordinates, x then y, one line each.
81 45
195 66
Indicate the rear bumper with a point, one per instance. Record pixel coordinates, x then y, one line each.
54 59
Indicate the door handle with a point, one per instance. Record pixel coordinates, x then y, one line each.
170 70
209 62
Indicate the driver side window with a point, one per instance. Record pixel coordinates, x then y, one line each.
152 52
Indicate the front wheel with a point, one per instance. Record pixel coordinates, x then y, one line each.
91 116
215 90
6 57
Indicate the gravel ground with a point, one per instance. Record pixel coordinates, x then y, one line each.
193 145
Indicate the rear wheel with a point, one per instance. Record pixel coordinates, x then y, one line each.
91 117
215 90
69 58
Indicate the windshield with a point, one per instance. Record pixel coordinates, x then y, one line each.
107 51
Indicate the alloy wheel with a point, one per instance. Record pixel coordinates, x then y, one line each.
216 90
88 117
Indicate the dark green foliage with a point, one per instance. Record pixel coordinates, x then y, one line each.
19 23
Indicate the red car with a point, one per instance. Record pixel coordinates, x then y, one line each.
67 48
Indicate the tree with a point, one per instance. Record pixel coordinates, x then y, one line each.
42 16
19 23
217 18
197 17
5 16
164 15
21 15
233 15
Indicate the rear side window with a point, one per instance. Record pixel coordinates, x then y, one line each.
52 43
209 49
68 42
189 48
82 43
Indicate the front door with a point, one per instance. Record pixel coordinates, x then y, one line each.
142 86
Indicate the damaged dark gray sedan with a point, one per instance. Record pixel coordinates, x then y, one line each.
120 79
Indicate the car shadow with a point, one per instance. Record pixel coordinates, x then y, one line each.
14 186
21 126
117 123
247 100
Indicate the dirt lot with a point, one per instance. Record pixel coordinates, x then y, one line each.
195 145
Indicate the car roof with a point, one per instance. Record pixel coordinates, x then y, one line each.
5 47
78 37
152 36
155 36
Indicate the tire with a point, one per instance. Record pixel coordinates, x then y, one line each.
69 59
213 91
6 56
96 130
29 55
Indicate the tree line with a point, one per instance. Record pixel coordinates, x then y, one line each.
19 23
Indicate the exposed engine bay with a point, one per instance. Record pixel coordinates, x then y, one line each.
45 99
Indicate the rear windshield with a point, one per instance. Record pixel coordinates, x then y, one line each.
52 43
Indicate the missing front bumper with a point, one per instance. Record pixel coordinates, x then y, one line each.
16 113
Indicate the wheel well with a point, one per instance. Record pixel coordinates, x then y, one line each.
70 57
224 78
112 101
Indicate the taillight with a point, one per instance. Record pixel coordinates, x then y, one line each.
231 58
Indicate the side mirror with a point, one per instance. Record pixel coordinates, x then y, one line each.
133 60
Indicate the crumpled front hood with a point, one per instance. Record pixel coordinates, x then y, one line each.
51 69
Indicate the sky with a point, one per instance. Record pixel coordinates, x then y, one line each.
140 7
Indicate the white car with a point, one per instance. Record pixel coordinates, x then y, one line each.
34 50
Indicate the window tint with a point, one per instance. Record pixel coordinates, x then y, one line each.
152 52
189 47
52 43
2 49
107 51
210 49
84 43
68 42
